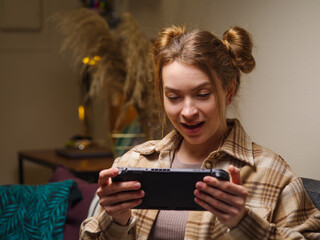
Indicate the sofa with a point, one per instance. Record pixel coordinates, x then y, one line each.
312 188
56 210
50 211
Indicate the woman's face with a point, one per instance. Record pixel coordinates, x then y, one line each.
190 101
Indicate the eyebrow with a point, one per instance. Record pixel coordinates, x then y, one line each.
194 89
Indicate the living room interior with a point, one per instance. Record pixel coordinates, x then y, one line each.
40 92
278 103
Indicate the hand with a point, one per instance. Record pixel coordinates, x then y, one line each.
117 198
224 199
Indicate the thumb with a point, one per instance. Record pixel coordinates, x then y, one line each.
235 174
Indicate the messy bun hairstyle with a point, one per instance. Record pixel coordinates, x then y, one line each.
239 45
226 58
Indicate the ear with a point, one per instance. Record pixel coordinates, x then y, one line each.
230 92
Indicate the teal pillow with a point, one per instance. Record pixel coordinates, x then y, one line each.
34 211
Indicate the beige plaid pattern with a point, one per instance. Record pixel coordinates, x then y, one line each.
278 206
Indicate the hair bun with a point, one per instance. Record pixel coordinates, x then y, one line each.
168 34
239 44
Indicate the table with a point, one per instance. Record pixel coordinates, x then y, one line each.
86 168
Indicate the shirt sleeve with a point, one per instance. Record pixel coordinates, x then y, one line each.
294 217
102 227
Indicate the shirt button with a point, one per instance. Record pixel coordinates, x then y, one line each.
208 165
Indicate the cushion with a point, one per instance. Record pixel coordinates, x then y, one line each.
77 210
312 188
34 211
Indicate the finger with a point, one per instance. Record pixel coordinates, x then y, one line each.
106 174
117 187
231 194
235 174
213 202
218 212
120 197
122 207
225 186
221 200
228 219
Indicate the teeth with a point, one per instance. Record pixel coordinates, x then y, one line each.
193 125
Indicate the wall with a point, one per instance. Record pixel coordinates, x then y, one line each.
38 94
278 103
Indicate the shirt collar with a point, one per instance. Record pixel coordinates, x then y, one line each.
169 143
238 144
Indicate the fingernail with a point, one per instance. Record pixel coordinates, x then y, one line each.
137 185
206 179
211 180
199 184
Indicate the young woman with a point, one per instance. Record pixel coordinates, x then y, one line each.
197 76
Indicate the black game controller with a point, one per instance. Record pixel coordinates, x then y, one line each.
168 188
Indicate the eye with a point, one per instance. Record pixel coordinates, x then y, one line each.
204 95
172 98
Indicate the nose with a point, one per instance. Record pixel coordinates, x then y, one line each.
189 108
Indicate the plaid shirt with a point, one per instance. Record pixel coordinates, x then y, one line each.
279 207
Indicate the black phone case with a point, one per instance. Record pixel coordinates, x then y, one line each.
168 188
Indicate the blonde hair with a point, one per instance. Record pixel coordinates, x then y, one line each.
226 58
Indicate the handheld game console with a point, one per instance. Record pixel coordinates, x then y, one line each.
168 188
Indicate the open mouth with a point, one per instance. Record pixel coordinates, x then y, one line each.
192 126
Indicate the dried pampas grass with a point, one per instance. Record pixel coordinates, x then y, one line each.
88 34
126 64
136 49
